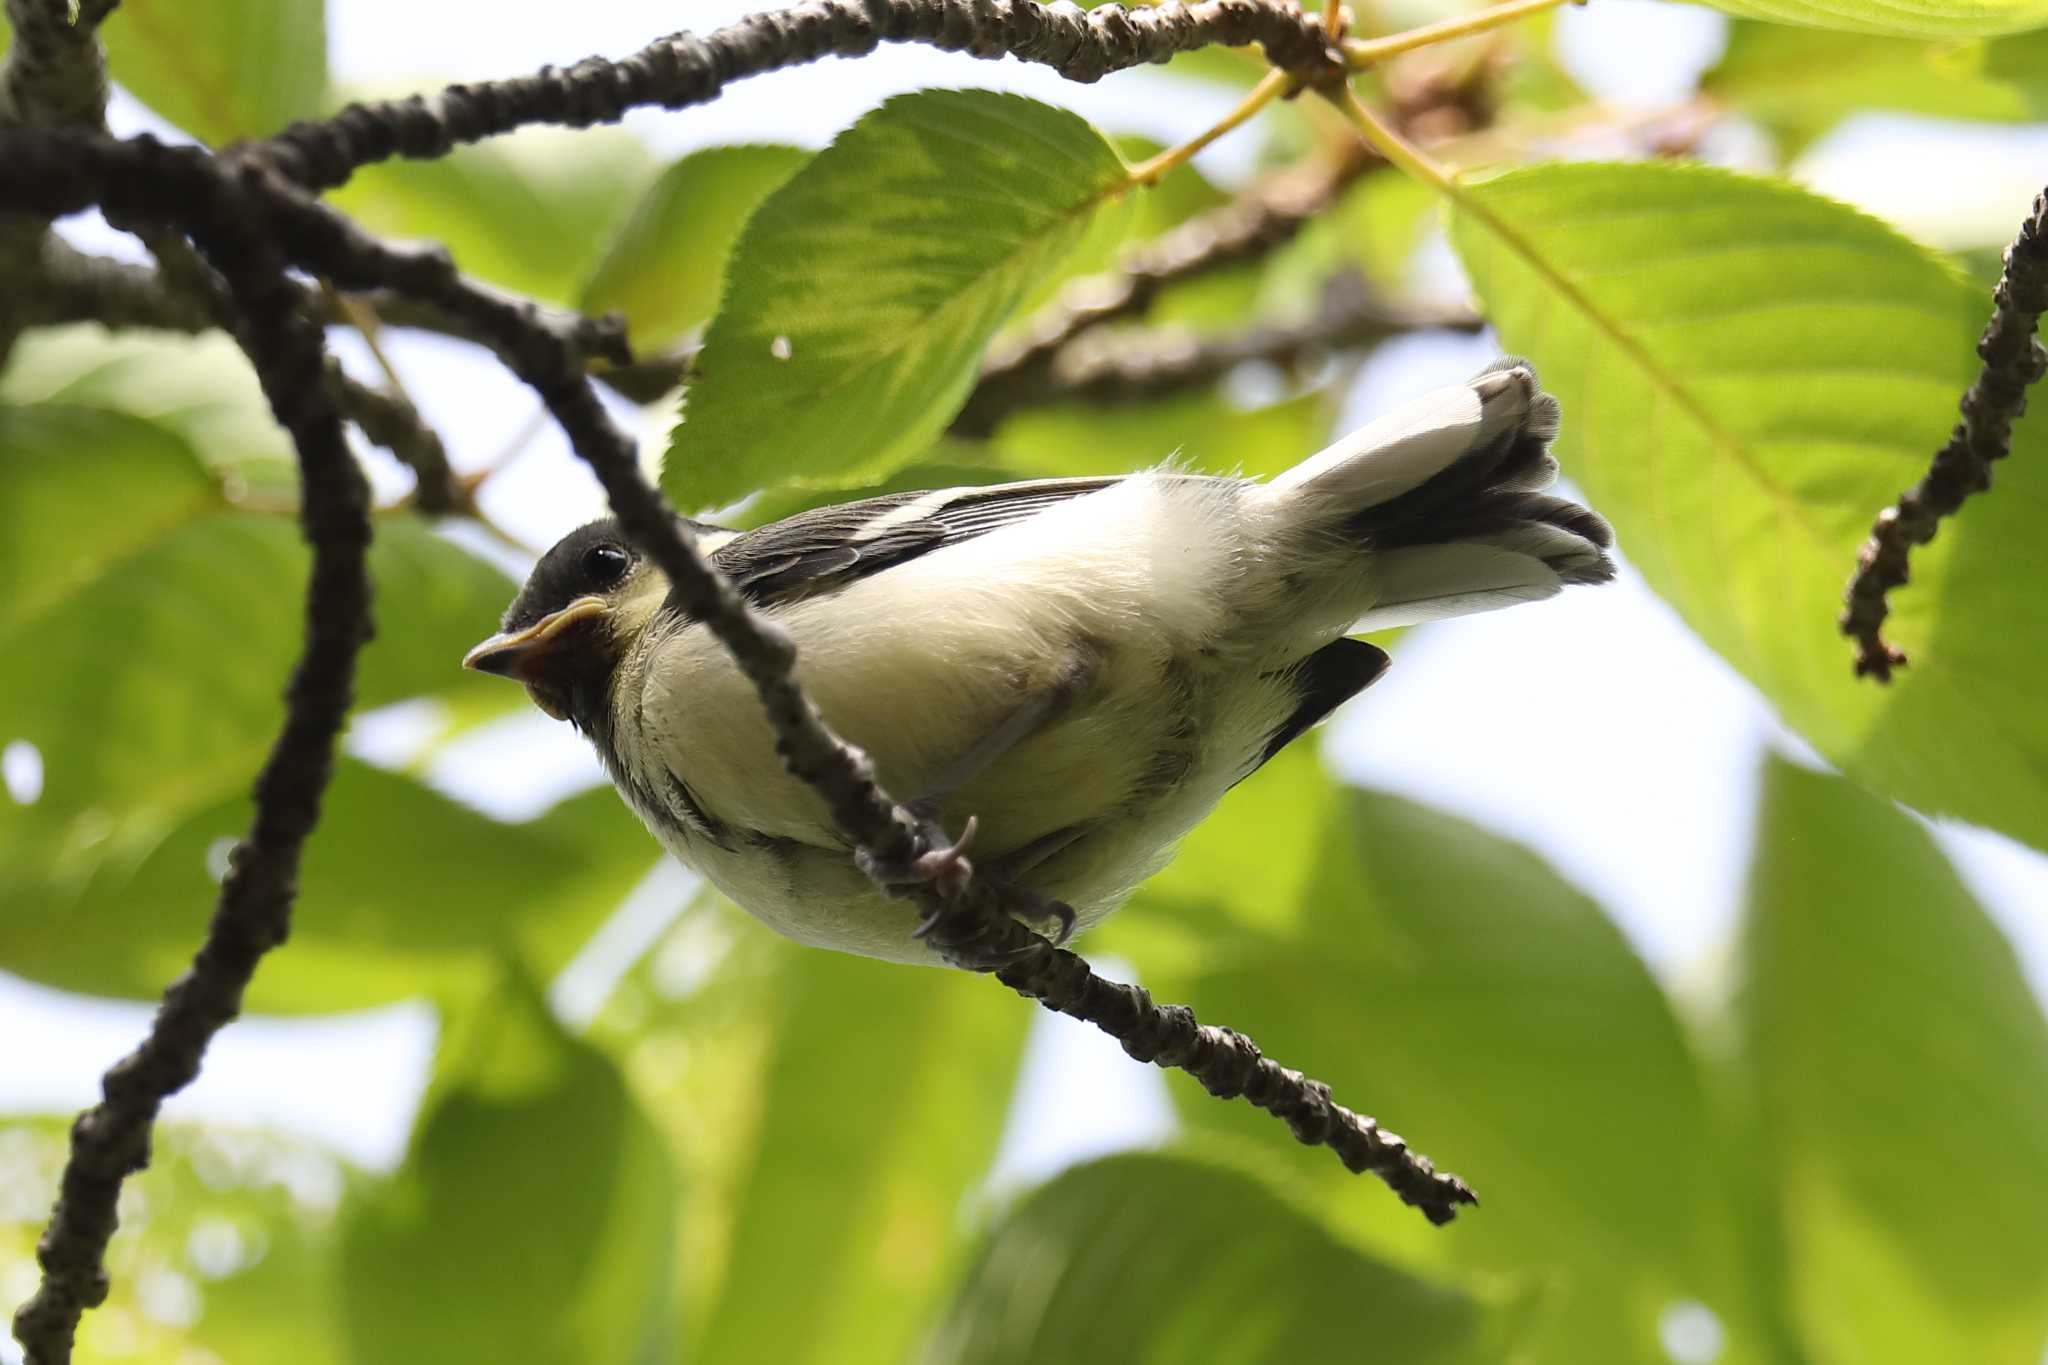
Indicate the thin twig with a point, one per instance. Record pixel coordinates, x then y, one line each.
1267 217
1154 169
111 1140
1360 53
391 421
1106 369
2013 359
74 286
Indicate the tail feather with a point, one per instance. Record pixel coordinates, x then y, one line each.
1447 495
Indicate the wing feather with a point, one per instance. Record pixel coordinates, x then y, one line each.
827 548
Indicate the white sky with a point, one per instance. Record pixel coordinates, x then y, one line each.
1630 763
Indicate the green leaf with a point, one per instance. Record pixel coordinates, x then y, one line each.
1159 1258
123 920
1453 986
1202 431
1451 982
1748 373
1144 214
156 687
867 1138
1801 81
666 266
532 213
53 541
200 388
149 636
222 69
534 1218
863 291
1902 1066
1900 18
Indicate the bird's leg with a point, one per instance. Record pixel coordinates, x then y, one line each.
1006 873
1023 721
1002 876
943 863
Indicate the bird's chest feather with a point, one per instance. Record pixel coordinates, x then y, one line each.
1133 727
1129 769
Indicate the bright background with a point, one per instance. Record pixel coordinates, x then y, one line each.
1628 758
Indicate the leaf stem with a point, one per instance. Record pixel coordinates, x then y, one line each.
1382 137
364 319
1360 53
1152 170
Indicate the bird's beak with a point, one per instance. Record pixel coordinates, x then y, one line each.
523 655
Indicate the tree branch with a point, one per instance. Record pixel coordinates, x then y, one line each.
56 72
2013 359
1246 229
73 286
111 1140
967 923
685 70
1110 369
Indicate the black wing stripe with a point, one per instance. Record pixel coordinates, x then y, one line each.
1324 681
825 550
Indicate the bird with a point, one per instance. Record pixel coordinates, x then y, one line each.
1080 667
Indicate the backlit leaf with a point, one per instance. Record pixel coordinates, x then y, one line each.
532 213
534 1218
1902 1072
865 288
666 265
1902 18
222 69
1748 374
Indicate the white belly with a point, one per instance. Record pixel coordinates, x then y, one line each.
917 664
812 891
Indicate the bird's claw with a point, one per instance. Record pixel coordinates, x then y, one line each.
943 864
1047 908
1025 904
944 867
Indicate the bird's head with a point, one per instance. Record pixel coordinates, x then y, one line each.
586 602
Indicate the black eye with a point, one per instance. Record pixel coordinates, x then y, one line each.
605 565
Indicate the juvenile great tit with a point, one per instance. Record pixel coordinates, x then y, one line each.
1083 666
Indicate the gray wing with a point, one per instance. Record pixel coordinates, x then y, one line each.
825 549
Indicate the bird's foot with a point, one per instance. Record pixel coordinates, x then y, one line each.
943 864
1052 918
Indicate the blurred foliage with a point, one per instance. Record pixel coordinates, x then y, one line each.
534 213
1832 1147
223 69
1799 82
665 269
535 1217
1165 1258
